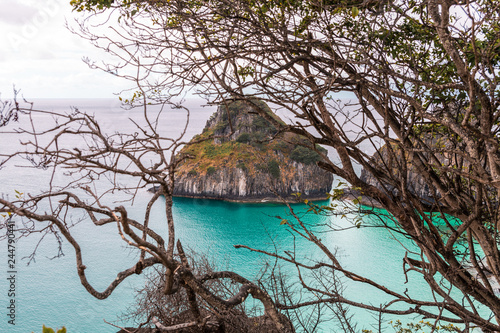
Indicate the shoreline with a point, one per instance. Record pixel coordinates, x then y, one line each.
263 199
253 200
351 195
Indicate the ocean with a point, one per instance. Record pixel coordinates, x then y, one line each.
48 291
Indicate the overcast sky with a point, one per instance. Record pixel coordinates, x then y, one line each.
43 59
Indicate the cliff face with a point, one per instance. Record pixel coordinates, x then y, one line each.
416 184
247 161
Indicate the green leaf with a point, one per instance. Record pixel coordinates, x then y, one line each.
354 11
284 221
62 330
47 330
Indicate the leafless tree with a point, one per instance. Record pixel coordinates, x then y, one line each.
97 170
423 81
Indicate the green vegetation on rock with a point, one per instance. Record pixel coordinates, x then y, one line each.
304 155
243 138
254 146
273 168
211 170
242 166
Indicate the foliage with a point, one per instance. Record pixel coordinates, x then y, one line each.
258 140
50 330
240 153
243 138
242 166
273 168
304 155
281 146
262 125
210 151
261 167
421 326
211 170
220 127
81 5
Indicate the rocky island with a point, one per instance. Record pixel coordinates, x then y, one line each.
239 156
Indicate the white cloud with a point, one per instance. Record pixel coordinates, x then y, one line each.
23 22
42 58
16 13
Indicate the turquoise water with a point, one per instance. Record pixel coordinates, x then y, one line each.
50 293
48 290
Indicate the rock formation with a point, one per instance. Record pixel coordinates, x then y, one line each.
415 183
239 156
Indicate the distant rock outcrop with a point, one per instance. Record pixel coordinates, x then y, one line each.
415 183
240 157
